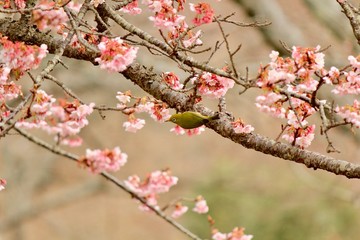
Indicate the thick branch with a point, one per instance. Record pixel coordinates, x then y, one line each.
151 83
353 16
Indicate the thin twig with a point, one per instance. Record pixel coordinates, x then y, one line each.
58 151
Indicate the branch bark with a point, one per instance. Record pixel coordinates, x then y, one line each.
151 82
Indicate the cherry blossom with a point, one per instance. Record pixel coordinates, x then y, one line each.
301 137
190 132
52 19
159 112
204 13
116 55
98 160
350 82
156 5
20 57
200 205
179 210
123 98
172 80
272 104
2 184
131 8
133 124
155 183
211 85
351 113
167 18
236 234
240 127
63 119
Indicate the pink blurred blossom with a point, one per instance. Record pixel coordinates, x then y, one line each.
179 210
201 205
98 160
2 184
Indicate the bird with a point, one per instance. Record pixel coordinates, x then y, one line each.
190 119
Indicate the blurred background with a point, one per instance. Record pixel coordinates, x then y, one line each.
48 197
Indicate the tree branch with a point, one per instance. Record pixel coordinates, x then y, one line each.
150 82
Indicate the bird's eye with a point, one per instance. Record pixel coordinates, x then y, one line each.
173 120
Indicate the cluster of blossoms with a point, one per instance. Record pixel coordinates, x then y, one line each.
296 76
200 207
212 85
54 19
350 82
98 160
172 80
190 132
18 57
240 127
351 113
235 234
293 75
132 8
204 13
116 55
157 111
63 119
155 183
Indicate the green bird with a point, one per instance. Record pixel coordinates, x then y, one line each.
189 120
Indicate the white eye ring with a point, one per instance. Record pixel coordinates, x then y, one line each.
173 120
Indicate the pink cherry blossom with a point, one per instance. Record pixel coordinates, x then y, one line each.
155 183
211 85
219 236
299 136
63 119
131 8
2 184
204 13
167 18
145 106
172 80
272 104
350 83
52 19
190 132
20 4
133 124
116 55
179 210
160 112
236 234
193 39
350 113
201 205
123 98
156 5
240 127
20 57
98 160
